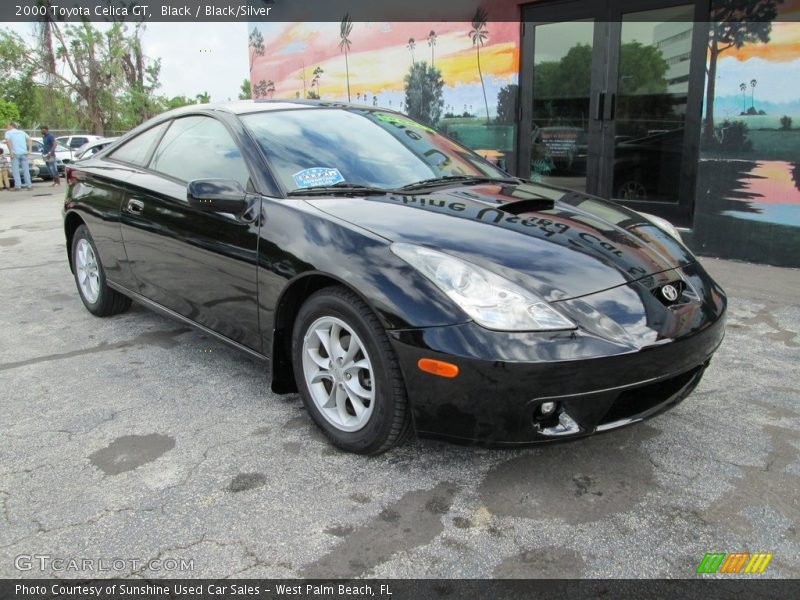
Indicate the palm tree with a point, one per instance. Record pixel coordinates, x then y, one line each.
743 87
432 43
255 44
203 98
305 93
479 35
411 45
315 81
345 29
753 84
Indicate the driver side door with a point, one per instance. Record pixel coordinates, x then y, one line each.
198 264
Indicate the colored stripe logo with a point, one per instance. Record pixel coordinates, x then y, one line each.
734 563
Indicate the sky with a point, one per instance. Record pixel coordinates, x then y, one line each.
195 57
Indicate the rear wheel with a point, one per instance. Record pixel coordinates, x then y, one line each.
631 189
347 373
97 297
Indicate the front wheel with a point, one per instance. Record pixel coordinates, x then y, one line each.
347 373
97 297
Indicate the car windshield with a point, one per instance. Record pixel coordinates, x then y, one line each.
324 147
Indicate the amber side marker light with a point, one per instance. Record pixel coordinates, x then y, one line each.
437 367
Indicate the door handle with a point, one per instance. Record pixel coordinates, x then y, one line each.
601 102
612 108
135 207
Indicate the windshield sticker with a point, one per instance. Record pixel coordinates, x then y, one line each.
402 122
318 176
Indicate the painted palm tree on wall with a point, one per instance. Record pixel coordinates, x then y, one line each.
346 28
255 44
315 81
479 34
432 44
753 84
411 45
743 88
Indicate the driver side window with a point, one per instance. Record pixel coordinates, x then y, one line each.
199 148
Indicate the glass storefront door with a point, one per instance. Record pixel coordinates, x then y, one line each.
562 83
606 102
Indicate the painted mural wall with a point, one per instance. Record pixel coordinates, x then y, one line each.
460 77
748 200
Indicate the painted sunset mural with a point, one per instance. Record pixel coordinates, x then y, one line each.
379 56
751 146
460 77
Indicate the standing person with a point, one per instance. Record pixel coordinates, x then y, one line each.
19 145
4 166
49 153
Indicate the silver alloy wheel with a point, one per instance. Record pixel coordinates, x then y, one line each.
632 190
87 271
338 373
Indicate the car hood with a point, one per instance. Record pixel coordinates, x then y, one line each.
557 243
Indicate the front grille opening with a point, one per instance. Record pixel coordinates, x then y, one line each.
631 403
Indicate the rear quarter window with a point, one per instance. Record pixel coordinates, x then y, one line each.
137 151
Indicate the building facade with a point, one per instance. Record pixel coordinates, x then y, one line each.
684 109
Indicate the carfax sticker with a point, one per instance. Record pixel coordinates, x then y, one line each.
317 176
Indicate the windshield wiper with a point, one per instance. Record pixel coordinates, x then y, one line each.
465 179
340 188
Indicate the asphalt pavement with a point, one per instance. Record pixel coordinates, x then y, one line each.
151 450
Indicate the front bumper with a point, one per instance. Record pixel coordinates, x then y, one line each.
600 382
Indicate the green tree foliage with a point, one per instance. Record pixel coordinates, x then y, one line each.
642 71
734 24
731 136
424 100
8 112
176 102
78 75
562 87
507 104
245 92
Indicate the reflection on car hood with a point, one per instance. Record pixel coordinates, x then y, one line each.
557 243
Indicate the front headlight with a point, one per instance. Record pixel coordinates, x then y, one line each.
490 300
663 224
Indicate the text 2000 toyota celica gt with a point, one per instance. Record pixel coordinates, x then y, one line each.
396 280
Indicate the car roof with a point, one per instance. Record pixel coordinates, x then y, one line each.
243 107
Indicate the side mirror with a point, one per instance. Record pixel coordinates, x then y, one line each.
216 195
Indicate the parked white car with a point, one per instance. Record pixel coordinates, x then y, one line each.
73 142
94 147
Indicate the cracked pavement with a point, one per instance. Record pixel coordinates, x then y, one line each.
137 438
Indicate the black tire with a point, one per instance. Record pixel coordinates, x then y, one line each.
389 423
109 302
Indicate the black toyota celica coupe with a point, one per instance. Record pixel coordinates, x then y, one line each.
395 279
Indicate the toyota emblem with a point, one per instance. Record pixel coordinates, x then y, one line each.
669 292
